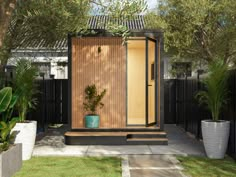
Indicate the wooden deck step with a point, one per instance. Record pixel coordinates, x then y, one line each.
127 129
113 133
95 134
146 135
116 138
147 141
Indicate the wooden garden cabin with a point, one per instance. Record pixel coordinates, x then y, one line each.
132 74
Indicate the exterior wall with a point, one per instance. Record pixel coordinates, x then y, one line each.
54 57
107 69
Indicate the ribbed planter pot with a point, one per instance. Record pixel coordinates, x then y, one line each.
92 121
11 161
26 134
215 137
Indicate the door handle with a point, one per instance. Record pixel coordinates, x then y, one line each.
149 85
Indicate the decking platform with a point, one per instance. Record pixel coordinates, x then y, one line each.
132 136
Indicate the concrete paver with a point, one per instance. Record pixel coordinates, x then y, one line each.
155 173
118 150
143 161
153 166
55 151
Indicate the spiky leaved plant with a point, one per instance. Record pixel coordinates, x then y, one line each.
24 83
93 98
215 94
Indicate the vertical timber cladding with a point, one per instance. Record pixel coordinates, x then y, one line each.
160 86
100 61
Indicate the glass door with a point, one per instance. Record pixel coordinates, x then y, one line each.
151 82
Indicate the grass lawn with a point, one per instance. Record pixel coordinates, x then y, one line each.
71 167
204 167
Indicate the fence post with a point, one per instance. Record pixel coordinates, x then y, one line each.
176 102
185 102
199 72
199 119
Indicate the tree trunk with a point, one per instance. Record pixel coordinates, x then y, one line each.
6 9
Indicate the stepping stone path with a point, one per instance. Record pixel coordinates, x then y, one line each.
151 166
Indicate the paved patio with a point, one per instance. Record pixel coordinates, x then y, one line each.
179 143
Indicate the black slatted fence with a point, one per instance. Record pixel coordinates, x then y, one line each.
170 105
188 113
52 103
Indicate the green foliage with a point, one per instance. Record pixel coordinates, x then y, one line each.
6 115
52 20
215 95
24 83
199 30
125 9
6 136
93 99
7 103
49 20
5 98
154 21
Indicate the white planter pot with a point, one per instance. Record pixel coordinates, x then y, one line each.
215 137
26 134
11 161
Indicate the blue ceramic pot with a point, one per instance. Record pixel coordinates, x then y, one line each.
92 121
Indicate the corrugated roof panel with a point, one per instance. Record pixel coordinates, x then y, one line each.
94 22
99 22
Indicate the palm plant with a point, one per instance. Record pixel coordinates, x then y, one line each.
24 83
215 94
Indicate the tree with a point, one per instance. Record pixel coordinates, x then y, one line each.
199 30
35 21
50 21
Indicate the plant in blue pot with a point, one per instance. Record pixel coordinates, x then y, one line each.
93 101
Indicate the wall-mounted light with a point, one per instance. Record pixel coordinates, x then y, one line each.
99 49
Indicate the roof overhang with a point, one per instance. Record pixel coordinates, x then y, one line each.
133 33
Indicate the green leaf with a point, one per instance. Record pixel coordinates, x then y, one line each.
13 122
13 101
5 98
4 133
3 125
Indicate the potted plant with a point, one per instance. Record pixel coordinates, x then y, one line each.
215 132
10 154
93 101
24 83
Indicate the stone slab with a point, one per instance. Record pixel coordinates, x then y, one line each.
155 173
118 150
65 151
142 161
